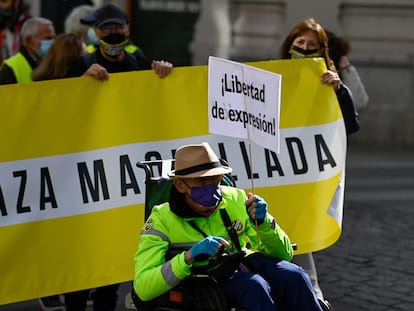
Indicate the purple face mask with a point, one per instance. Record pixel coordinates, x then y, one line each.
208 195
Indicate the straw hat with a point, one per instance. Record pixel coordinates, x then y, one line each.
198 160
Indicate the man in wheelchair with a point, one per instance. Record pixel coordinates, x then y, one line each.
201 220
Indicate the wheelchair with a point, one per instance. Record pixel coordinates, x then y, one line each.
198 292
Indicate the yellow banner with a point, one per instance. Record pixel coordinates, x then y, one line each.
71 195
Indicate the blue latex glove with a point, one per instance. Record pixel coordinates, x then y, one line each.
261 209
205 248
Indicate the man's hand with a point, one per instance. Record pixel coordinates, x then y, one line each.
161 68
205 249
98 72
256 207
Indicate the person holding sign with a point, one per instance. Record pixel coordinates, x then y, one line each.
309 39
204 219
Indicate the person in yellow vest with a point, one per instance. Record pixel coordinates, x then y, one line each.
37 35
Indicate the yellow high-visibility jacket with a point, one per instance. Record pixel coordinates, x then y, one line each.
164 230
21 67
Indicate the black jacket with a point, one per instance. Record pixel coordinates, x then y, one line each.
130 62
349 112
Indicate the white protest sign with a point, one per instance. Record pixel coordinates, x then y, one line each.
244 102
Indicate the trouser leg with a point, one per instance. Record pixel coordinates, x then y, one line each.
248 291
291 285
307 262
105 298
76 301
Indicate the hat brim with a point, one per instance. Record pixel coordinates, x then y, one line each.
119 21
204 173
90 20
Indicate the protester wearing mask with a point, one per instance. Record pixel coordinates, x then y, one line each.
13 13
92 40
73 25
191 225
112 28
37 35
309 39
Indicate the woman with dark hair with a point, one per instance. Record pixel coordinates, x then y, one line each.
339 48
309 39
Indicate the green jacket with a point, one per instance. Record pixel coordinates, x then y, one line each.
154 275
21 67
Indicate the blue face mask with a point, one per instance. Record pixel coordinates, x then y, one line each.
44 47
91 37
208 195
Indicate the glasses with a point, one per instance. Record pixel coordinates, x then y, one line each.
111 26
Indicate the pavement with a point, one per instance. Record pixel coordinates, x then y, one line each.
370 268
